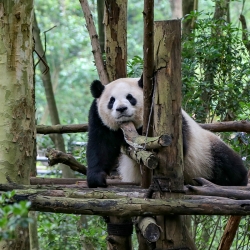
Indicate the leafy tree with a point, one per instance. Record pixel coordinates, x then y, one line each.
12 216
228 89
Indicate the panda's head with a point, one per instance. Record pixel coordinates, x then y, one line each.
119 101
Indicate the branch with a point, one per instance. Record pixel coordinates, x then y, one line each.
55 157
210 189
245 39
77 181
147 158
96 49
143 142
229 232
61 129
232 126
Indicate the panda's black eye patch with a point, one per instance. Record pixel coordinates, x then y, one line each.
111 102
131 99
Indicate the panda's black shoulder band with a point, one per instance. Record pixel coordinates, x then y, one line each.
140 82
96 88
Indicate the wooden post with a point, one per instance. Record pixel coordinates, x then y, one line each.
148 70
115 21
167 120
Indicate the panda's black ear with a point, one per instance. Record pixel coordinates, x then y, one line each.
96 88
140 82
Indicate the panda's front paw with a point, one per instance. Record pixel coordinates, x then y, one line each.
96 179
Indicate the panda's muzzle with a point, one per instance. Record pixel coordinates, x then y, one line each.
122 113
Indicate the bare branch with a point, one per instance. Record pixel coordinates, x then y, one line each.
210 189
229 232
232 126
55 157
61 129
245 33
96 49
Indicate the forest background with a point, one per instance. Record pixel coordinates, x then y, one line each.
215 75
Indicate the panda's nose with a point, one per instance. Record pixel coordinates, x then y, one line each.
121 109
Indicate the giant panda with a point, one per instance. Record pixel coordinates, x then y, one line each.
205 155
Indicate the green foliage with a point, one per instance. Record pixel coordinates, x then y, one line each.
12 216
135 66
69 232
208 230
69 56
215 69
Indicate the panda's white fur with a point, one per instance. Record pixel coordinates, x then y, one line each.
129 170
205 155
198 161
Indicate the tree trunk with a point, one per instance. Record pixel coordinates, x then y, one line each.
34 244
167 120
176 7
116 38
116 65
17 115
46 78
187 7
100 12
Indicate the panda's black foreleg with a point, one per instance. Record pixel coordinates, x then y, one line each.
103 149
102 156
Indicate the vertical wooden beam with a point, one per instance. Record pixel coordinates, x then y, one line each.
167 120
115 23
148 70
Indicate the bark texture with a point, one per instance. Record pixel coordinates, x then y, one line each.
148 70
17 109
126 203
229 232
167 120
115 22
